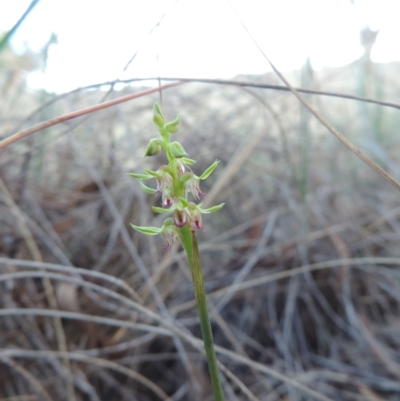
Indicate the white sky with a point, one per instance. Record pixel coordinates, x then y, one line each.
197 38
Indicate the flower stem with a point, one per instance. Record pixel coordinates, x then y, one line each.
189 242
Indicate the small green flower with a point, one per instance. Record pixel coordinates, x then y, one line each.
164 179
170 233
192 184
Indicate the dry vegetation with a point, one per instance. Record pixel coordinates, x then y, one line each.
301 266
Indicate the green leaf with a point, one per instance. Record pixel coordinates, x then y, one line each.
147 230
188 161
161 210
140 176
154 174
213 209
209 170
147 189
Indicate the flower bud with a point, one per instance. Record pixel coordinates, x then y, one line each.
154 147
173 126
158 117
177 150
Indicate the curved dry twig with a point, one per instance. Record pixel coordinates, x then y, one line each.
69 116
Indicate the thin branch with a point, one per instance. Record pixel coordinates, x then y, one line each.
54 121
230 82
246 84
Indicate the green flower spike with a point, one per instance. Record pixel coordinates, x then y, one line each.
174 183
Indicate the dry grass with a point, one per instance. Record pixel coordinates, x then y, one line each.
301 265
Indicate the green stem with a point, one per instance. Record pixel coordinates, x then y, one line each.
171 161
189 242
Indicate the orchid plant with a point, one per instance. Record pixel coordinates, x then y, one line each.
174 183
